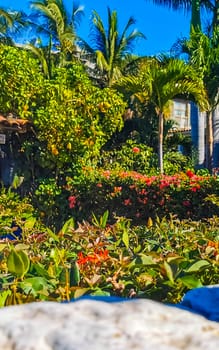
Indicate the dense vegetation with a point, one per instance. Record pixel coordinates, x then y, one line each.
106 203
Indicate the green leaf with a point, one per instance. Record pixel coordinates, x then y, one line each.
52 235
18 263
40 270
35 286
29 223
22 246
104 218
142 259
125 239
198 266
69 224
100 292
146 259
3 297
190 281
3 246
74 275
169 271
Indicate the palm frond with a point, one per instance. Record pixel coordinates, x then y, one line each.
98 34
174 4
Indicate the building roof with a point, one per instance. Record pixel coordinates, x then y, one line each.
11 123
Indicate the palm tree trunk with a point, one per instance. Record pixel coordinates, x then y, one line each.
160 141
209 140
196 16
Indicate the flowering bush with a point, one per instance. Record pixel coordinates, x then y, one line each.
139 197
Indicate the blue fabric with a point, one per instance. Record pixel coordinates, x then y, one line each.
17 233
203 301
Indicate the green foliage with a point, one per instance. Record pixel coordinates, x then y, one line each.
161 261
20 80
77 118
13 208
176 162
131 156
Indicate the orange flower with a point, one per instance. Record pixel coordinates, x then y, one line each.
95 258
135 149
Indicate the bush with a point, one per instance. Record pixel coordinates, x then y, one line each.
13 208
140 197
160 261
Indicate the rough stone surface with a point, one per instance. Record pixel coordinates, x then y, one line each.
96 325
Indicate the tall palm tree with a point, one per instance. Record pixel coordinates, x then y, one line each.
58 24
112 51
159 82
203 55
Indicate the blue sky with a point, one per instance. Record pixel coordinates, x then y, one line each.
161 26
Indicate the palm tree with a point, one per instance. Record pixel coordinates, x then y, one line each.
58 24
188 5
112 50
43 54
11 22
203 55
159 81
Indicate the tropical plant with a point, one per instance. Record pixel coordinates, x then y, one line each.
160 260
58 25
21 81
111 50
159 81
188 5
203 54
11 22
137 196
43 54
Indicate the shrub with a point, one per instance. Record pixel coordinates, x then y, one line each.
139 197
160 261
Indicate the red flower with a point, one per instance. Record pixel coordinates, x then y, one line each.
135 149
195 188
72 200
189 173
127 201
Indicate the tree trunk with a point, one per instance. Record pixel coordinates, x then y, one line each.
160 142
196 16
209 140
198 136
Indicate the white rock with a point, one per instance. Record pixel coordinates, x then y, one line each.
93 325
